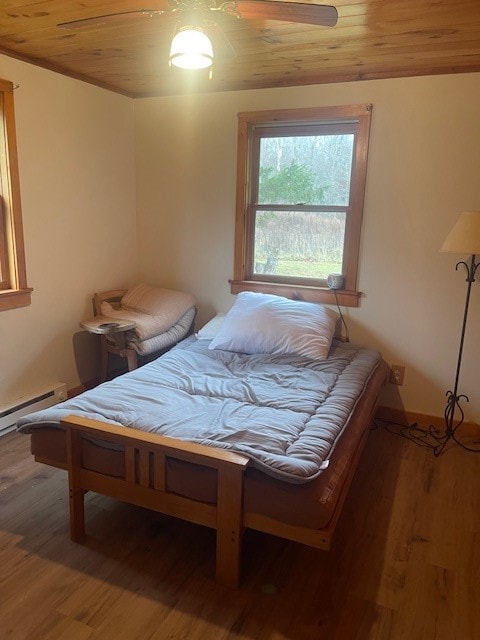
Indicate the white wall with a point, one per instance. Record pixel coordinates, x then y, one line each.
77 176
423 171
78 161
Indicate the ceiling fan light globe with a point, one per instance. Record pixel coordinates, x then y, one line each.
191 49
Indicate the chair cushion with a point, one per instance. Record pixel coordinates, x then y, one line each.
154 310
164 340
155 301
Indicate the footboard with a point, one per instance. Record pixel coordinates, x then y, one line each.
144 484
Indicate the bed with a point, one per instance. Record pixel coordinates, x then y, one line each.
247 436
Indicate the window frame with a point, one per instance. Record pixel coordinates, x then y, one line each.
250 125
14 291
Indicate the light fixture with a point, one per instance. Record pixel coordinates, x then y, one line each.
191 49
463 238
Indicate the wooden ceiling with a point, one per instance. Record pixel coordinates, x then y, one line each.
372 39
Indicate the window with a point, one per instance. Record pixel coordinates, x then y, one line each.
13 283
300 191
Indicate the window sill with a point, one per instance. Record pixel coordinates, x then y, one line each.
299 292
15 298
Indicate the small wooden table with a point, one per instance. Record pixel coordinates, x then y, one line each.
112 333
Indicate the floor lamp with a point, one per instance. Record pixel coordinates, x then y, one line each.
463 238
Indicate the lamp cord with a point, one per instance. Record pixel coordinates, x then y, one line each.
347 337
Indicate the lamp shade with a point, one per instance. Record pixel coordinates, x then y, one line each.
465 235
191 49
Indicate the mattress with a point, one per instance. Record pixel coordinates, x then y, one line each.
286 413
312 505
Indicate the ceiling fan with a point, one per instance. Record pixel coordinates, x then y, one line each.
191 47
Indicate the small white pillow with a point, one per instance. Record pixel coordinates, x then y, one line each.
264 323
210 330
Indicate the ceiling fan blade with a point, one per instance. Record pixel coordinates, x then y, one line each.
111 18
320 14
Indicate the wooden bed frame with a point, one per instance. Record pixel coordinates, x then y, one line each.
144 484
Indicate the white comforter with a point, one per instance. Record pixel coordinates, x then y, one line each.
285 412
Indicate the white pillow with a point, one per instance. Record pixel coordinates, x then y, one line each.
210 330
264 323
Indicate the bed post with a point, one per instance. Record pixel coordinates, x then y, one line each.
229 525
76 493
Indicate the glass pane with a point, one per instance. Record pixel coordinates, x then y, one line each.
298 244
306 169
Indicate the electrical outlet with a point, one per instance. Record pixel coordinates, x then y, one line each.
397 374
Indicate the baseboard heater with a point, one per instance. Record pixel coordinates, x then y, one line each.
10 414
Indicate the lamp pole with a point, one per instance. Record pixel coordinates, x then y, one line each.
453 399
463 238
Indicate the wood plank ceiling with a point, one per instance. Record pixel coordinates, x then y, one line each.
373 39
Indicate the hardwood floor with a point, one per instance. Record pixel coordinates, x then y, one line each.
405 563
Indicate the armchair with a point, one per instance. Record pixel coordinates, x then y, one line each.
141 321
